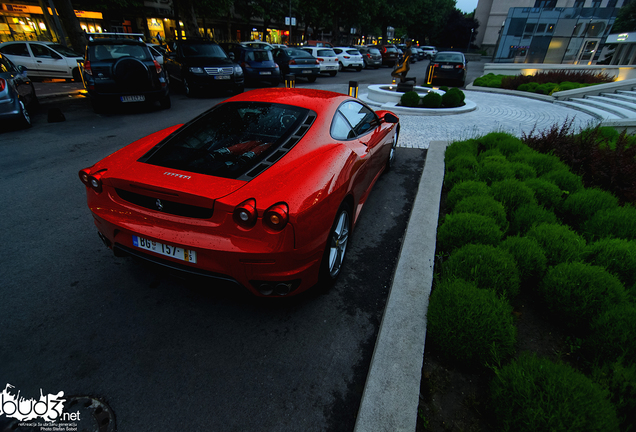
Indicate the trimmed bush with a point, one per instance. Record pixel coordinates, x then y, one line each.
618 222
453 98
618 256
463 161
559 242
620 380
534 394
463 190
523 171
577 293
410 99
486 266
463 228
504 142
542 163
484 205
565 180
495 168
451 178
581 205
432 100
547 193
512 193
469 325
489 80
612 335
528 216
530 259
461 148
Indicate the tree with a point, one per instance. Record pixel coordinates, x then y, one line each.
457 32
71 24
626 19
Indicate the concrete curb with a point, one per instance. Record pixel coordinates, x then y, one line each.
391 393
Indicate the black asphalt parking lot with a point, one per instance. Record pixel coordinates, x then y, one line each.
165 352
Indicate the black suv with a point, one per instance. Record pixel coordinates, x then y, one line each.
201 64
120 69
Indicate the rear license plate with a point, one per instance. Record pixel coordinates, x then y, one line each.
139 98
306 72
164 249
446 67
223 77
265 73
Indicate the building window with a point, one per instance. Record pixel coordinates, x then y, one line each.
550 28
579 3
529 28
541 28
545 4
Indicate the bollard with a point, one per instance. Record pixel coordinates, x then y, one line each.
290 81
353 89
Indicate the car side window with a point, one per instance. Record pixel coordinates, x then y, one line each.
18 49
341 129
41 51
359 116
4 65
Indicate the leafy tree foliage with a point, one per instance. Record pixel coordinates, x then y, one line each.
626 19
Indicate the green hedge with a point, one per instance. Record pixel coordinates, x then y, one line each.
460 229
470 326
612 335
534 394
530 259
559 242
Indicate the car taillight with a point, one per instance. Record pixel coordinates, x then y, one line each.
157 66
3 84
87 67
369 55
316 61
245 213
459 67
92 181
436 65
292 62
276 217
320 59
347 57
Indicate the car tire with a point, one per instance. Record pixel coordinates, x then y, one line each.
391 159
333 73
165 102
336 246
340 67
186 88
25 117
77 76
359 68
311 79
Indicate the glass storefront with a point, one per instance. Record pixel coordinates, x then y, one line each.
556 35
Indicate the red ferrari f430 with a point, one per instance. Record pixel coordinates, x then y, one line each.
263 189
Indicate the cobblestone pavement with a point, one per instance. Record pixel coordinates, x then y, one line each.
494 113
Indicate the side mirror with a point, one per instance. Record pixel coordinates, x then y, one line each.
390 118
21 69
232 56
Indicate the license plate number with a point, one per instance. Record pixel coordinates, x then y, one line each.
222 77
139 98
447 67
306 72
164 249
265 73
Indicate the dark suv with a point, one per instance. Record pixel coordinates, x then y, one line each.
120 69
201 64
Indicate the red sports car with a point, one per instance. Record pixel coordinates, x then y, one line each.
262 190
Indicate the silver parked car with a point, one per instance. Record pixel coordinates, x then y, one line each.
17 93
371 56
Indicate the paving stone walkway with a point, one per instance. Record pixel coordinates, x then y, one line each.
495 112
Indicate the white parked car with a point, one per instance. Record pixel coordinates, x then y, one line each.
44 59
349 58
429 51
326 57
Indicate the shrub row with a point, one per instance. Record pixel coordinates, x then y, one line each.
544 82
452 98
520 219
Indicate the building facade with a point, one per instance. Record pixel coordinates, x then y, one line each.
540 31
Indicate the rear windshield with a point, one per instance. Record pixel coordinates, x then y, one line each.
391 49
449 58
203 50
374 51
229 140
326 53
116 51
259 56
297 53
353 52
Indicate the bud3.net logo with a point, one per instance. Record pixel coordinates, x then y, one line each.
49 407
